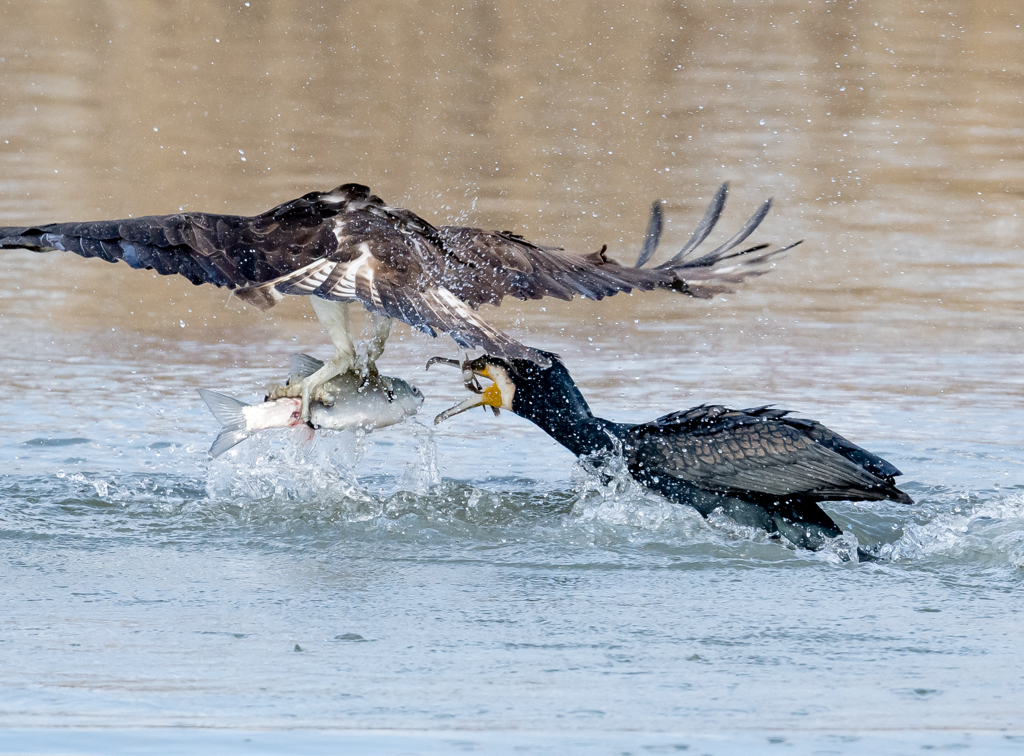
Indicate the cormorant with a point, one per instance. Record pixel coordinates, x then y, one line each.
347 245
760 466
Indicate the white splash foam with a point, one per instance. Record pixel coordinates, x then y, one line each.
422 474
282 468
610 500
993 528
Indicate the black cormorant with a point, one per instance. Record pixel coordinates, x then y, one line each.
760 466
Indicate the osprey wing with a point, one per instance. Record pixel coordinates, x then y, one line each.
347 244
224 250
486 266
389 260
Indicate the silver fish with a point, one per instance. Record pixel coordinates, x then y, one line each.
378 402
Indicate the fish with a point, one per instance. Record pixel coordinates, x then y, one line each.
356 403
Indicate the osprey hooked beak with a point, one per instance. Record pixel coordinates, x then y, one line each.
497 396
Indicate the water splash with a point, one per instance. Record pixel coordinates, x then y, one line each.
282 467
992 529
421 474
611 507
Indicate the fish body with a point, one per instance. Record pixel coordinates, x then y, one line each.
378 404
356 404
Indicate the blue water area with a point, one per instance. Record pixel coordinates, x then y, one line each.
470 587
165 742
473 578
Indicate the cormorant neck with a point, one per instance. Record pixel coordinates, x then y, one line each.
548 397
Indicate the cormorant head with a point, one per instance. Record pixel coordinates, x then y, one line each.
517 385
497 396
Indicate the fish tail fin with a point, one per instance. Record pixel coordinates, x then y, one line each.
228 410
303 366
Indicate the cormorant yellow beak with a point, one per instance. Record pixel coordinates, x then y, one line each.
488 397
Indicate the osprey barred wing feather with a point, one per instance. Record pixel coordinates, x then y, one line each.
348 245
223 250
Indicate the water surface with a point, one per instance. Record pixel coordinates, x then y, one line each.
471 577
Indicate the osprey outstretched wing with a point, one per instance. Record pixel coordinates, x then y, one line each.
348 245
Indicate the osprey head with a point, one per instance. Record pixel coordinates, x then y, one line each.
344 195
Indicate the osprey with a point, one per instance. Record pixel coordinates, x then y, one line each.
347 245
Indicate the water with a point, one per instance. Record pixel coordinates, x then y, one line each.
470 587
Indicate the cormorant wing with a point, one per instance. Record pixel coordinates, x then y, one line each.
856 454
741 452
